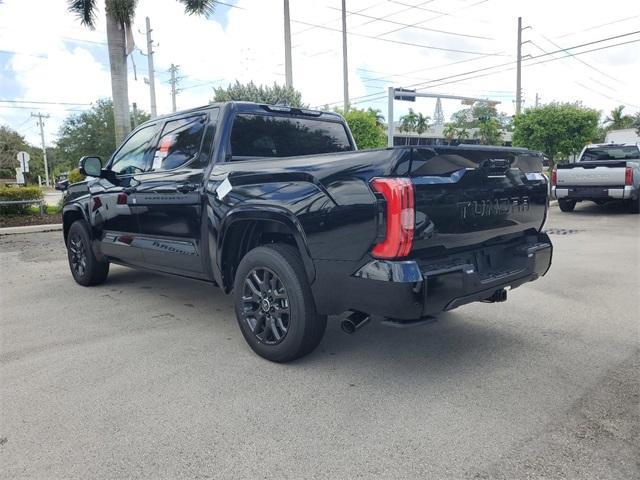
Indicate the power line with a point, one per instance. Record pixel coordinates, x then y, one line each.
11 52
43 102
393 22
440 14
433 83
599 26
400 42
580 60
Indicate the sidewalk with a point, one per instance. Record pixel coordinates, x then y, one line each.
30 229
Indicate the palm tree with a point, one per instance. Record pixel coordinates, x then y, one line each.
449 132
378 114
422 123
408 123
618 120
120 14
463 134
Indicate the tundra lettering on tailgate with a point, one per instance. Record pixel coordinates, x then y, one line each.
496 206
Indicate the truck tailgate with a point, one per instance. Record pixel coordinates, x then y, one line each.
465 198
596 174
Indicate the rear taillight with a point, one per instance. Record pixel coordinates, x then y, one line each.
400 217
628 176
554 176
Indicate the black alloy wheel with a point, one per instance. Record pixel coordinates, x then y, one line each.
78 255
266 306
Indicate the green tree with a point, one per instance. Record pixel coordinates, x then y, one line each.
557 129
408 123
471 117
618 120
422 123
271 95
636 122
11 142
462 134
378 114
449 132
88 133
489 132
120 14
365 128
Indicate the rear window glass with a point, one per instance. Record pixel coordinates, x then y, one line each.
255 136
614 152
179 142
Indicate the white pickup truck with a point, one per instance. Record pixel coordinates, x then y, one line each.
603 172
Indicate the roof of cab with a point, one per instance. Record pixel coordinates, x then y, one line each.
245 107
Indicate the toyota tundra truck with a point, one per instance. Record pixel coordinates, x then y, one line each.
602 173
276 206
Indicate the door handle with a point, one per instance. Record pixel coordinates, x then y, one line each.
186 187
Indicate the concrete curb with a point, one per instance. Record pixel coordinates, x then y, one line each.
54 227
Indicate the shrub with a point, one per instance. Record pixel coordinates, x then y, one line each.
15 194
75 176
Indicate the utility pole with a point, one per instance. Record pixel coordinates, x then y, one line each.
135 114
287 46
345 68
519 69
40 116
152 80
537 100
391 93
174 81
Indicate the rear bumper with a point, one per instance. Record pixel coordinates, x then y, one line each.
590 193
408 290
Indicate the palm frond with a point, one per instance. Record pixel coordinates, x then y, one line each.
199 7
85 10
122 10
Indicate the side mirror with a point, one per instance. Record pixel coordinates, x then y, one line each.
90 166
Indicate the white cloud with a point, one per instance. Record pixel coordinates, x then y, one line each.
251 48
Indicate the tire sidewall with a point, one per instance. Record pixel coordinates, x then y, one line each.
78 228
262 257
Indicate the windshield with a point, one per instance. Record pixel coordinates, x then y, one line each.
612 152
279 136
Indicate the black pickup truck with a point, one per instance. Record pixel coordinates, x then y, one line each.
276 205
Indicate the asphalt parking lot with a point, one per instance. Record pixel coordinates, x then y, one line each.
148 376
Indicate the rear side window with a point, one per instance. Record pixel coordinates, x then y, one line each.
254 136
613 152
179 142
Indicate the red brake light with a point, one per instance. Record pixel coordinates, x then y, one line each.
554 177
628 176
400 218
97 203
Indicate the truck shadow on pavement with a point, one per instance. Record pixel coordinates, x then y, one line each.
455 342
591 208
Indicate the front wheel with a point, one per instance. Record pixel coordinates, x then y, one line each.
86 269
274 306
567 205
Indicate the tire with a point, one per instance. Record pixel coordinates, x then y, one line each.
634 206
286 326
567 205
84 266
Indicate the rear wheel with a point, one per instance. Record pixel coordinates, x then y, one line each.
85 267
274 305
567 205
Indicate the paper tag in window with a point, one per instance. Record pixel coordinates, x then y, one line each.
157 160
224 188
